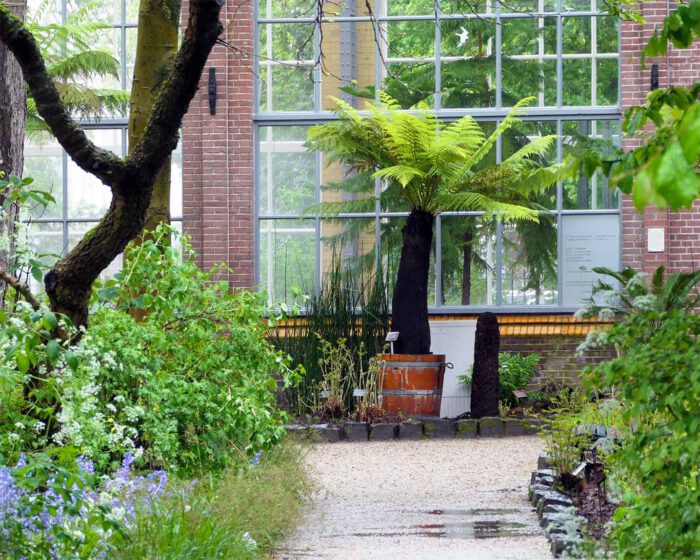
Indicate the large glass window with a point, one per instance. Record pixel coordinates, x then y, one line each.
457 57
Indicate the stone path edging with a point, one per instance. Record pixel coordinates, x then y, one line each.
555 510
416 429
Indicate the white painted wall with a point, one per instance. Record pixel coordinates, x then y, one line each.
455 339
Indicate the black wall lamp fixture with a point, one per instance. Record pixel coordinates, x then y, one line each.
212 91
654 77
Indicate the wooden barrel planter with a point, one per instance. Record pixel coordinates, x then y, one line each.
412 383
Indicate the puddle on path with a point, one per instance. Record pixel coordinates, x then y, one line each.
475 512
466 530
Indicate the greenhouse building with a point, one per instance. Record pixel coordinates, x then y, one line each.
246 189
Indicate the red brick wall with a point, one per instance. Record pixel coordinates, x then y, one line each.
559 363
218 154
679 67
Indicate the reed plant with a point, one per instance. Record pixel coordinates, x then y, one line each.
350 306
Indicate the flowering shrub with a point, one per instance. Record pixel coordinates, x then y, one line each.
174 369
48 511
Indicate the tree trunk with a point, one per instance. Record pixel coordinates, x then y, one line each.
409 313
156 47
485 377
69 283
13 110
467 251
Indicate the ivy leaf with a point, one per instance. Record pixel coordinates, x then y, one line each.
37 274
72 360
689 134
108 293
51 320
53 351
22 362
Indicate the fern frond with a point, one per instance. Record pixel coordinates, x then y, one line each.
402 174
85 64
510 121
333 209
36 130
522 159
478 202
539 179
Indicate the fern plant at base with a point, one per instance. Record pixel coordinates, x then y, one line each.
429 167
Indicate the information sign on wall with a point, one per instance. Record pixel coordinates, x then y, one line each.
588 240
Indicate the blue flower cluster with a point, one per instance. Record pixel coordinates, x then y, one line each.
50 512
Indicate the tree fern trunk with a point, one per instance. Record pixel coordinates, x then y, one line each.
158 25
13 109
467 250
410 300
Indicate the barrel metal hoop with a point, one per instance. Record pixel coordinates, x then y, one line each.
415 364
403 392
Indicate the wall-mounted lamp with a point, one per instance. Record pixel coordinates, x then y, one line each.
212 91
654 77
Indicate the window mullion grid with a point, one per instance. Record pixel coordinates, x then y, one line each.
594 59
558 116
438 56
560 206
499 55
560 51
499 237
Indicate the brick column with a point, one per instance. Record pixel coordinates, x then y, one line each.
680 68
218 154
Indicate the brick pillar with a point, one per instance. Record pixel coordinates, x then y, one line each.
679 67
218 154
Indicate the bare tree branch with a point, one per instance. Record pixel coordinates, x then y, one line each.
20 288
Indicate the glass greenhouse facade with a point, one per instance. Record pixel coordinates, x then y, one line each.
456 58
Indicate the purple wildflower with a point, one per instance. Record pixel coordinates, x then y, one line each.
86 465
255 460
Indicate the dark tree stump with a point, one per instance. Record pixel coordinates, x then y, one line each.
485 383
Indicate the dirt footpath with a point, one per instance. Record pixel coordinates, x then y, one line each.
421 500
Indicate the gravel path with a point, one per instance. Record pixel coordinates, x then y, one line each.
421 500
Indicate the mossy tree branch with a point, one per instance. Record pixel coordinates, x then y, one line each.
69 282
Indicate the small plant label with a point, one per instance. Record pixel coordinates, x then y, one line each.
325 394
359 393
578 470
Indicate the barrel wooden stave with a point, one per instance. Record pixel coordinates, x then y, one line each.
412 384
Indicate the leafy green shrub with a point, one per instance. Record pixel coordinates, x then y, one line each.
196 371
657 378
514 373
190 386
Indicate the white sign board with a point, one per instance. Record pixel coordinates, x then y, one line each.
588 240
455 339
